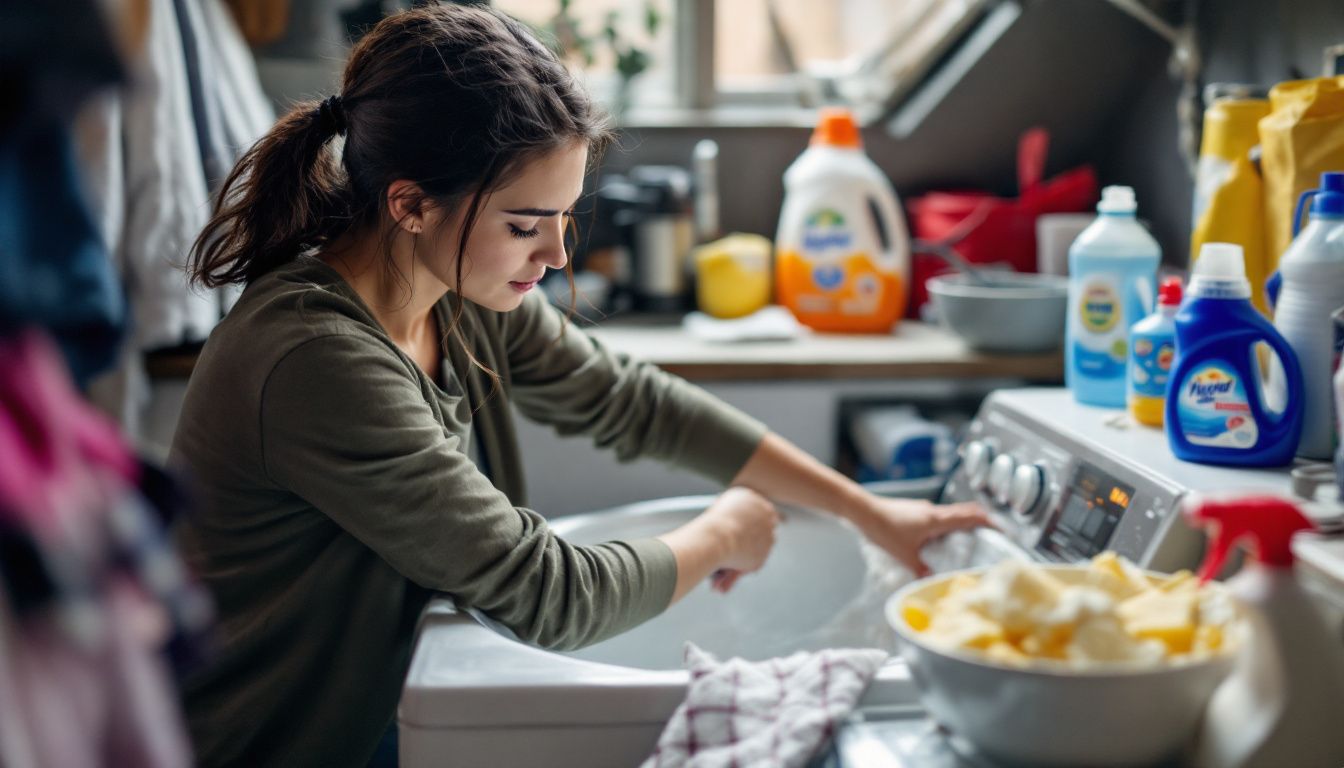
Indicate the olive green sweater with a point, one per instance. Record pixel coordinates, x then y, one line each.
336 494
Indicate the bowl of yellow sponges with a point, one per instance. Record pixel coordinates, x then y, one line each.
1098 664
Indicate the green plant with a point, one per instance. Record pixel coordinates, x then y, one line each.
574 42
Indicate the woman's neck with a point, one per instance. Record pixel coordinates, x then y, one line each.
401 294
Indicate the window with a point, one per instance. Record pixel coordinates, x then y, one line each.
716 55
593 34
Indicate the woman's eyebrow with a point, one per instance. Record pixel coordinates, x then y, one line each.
540 211
533 212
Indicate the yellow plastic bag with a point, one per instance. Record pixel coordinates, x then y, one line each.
1229 199
1301 138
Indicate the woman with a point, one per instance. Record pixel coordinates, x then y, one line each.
348 424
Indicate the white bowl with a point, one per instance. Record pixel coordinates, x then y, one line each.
1047 715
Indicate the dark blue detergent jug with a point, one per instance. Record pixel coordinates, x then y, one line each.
1218 409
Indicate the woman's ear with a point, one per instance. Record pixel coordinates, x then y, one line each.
406 205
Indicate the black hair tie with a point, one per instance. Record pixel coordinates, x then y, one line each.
332 114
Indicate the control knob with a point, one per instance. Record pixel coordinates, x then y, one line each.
1001 477
976 457
1027 489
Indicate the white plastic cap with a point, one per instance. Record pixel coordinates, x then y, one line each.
1220 271
1221 261
1117 200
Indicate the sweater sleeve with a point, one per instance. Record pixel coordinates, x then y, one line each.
565 378
346 426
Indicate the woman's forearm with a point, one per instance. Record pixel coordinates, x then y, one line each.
734 534
698 549
782 471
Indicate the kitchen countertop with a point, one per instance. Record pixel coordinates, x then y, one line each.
913 351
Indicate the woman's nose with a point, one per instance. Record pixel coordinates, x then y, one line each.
551 253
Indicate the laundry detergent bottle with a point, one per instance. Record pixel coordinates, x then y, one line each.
842 253
1312 287
1112 278
1219 410
1152 354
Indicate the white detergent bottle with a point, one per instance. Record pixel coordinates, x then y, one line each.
1283 704
1112 282
1312 274
842 255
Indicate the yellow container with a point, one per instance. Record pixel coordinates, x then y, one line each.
733 275
1229 206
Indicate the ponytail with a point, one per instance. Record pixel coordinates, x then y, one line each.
286 194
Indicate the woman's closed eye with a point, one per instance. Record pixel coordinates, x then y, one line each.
521 233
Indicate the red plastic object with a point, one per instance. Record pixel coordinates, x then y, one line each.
1169 292
1001 230
1270 520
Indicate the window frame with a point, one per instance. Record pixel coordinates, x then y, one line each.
697 100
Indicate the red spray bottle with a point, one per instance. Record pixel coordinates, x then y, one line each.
1283 704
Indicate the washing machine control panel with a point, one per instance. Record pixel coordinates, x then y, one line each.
1065 496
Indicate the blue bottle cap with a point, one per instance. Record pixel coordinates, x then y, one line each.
1329 199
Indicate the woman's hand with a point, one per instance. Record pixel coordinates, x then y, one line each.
903 526
748 520
732 537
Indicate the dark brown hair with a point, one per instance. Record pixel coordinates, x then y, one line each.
455 99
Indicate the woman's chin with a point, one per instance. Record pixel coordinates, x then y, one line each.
501 302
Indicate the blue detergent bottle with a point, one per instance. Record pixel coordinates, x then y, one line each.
1219 410
1112 282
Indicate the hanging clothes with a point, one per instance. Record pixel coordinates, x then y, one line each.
53 271
228 106
155 153
160 189
153 157
111 704
90 590
53 268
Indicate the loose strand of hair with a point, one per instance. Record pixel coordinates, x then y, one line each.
454 329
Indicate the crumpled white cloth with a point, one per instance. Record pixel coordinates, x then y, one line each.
772 323
763 713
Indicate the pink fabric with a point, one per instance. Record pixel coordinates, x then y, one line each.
47 432
81 680
767 713
109 704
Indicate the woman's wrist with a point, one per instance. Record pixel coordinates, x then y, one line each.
855 504
719 536
698 547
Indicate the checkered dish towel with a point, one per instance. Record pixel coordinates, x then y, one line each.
762 713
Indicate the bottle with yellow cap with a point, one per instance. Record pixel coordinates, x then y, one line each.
842 254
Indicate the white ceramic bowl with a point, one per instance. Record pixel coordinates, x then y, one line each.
1014 313
1046 716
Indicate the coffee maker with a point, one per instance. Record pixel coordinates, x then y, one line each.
662 234
643 238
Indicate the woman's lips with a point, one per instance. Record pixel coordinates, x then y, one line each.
523 287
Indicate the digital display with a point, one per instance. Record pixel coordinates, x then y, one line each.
1093 506
1119 497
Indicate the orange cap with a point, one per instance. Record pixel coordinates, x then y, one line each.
836 128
